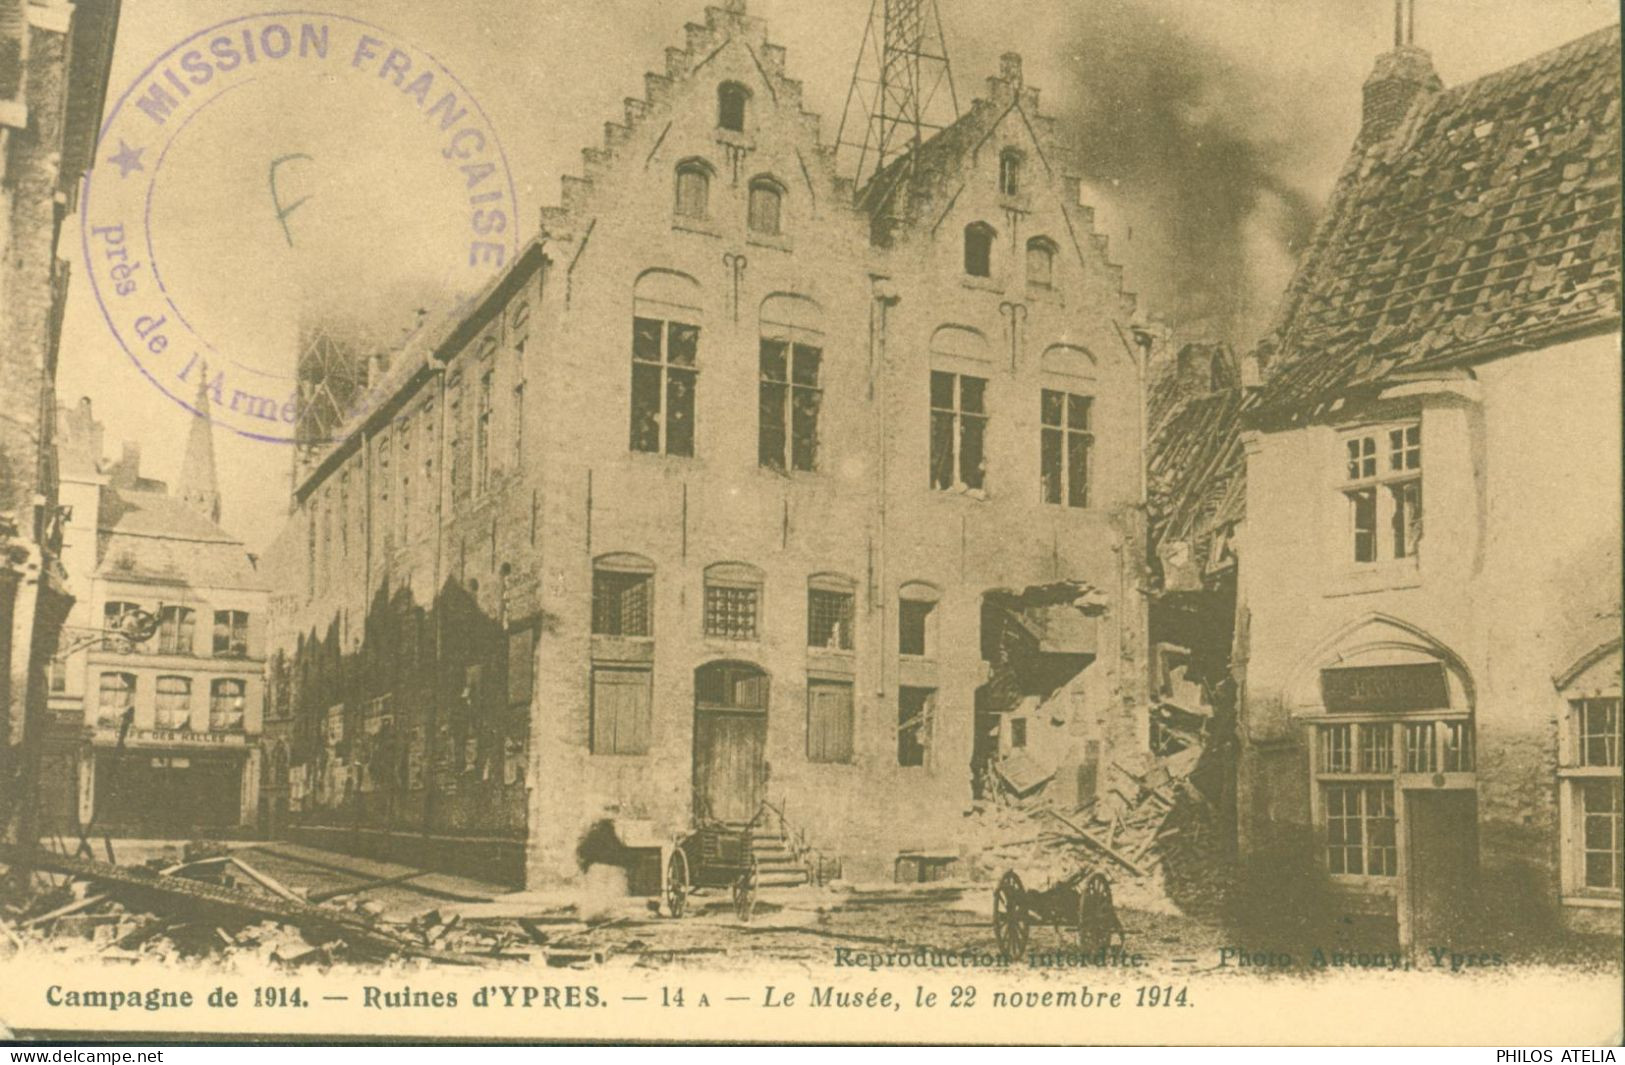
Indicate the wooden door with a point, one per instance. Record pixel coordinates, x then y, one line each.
728 763
1442 865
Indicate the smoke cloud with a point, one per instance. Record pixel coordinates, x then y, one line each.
1197 158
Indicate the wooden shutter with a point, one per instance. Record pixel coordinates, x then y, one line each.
829 721
620 711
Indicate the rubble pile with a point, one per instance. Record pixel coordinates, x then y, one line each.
1153 834
214 903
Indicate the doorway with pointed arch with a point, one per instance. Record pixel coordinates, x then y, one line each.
730 741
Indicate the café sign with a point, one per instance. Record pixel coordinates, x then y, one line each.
1385 689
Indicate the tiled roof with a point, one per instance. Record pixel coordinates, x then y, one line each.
146 536
1490 215
1195 467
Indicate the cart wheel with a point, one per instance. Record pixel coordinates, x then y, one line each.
1010 917
745 892
1097 916
677 882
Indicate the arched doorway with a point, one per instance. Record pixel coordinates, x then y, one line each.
730 738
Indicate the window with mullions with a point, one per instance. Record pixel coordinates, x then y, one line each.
226 705
176 630
790 399
174 704
1383 486
664 377
115 697
1360 839
733 601
623 602
958 431
1593 859
1065 443
829 614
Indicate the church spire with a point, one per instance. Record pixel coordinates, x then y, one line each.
198 486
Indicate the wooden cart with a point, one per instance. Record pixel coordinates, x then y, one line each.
713 856
1082 902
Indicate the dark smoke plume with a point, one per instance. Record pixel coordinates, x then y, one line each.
1182 141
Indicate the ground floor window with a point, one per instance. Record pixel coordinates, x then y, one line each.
914 707
1360 838
1600 834
1590 777
174 709
620 710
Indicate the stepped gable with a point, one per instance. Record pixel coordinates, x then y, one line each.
702 42
1490 216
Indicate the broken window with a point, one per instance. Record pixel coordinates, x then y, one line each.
829 613
914 706
226 705
403 433
482 434
1040 263
1384 489
829 721
1066 441
1009 172
385 517
693 190
344 513
174 704
518 423
426 420
176 626
623 598
59 674
521 669
979 249
958 431
732 98
1018 732
766 206
733 596
116 615
1594 862
664 376
231 633
789 403
456 466
620 710
914 609
1360 839
117 695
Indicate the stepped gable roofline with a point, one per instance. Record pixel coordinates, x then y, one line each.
702 43
1487 222
439 340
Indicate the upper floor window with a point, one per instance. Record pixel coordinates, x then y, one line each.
665 371
916 618
403 433
623 596
766 206
1009 172
958 431
226 705
1065 441
482 431
174 708
732 99
454 436
979 249
116 614
733 601
116 696
176 625
693 190
1041 263
1383 486
790 399
829 612
231 633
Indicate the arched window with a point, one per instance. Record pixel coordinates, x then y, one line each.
693 190
979 249
790 393
730 686
665 371
733 601
1041 262
1009 172
732 98
623 596
766 201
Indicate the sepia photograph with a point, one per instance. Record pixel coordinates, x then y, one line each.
870 521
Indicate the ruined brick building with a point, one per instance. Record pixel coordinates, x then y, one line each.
1431 707
54 59
186 761
739 486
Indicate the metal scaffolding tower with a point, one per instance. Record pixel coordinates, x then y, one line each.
896 96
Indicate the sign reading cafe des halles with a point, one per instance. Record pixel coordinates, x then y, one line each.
875 538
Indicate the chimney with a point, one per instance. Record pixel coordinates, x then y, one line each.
128 470
1399 77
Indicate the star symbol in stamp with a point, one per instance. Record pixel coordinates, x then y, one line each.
126 159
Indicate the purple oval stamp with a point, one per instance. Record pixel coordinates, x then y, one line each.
279 176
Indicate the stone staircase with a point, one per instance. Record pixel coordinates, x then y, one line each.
776 863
